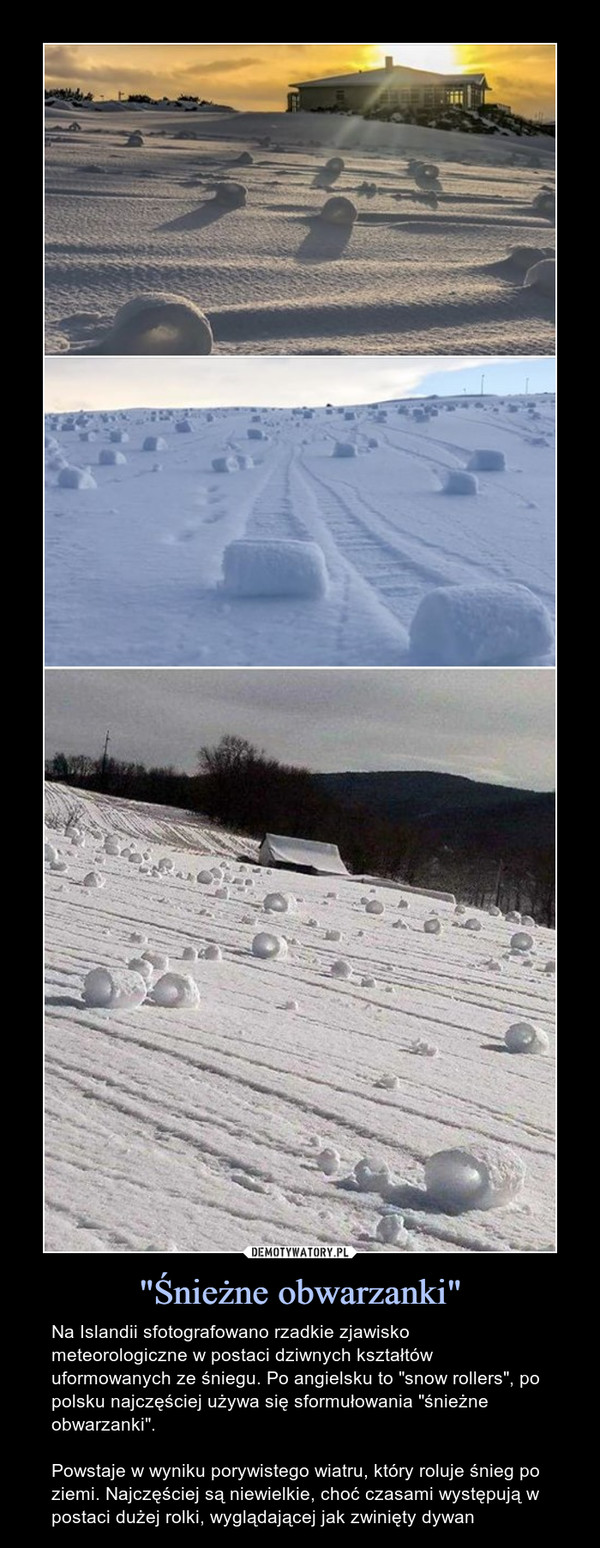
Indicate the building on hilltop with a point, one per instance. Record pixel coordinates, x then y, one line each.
393 89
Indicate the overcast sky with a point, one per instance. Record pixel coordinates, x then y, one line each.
489 724
76 382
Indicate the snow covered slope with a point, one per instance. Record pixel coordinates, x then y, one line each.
203 1128
407 277
134 564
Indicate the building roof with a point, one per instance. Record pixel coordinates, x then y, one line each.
305 852
383 77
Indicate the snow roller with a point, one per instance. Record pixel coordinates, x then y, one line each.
274 568
480 626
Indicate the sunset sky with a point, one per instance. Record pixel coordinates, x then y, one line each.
257 75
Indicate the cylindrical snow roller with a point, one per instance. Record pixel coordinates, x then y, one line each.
480 626
483 1177
274 568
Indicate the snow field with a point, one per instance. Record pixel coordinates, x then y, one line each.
300 556
421 269
191 1127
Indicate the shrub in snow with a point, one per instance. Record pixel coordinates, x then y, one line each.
154 443
521 941
481 1178
329 1162
524 1037
183 427
137 939
213 954
459 483
488 461
94 879
175 989
76 478
432 926
345 449
233 195
480 625
145 969
339 211
274 568
279 903
157 960
224 465
108 457
118 988
391 1230
158 324
340 969
266 946
542 276
374 907
256 435
334 166
472 923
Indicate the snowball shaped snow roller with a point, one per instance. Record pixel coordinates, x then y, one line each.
158 324
391 1230
268 946
461 483
340 969
542 276
432 926
480 625
345 449
521 941
175 989
76 478
488 462
334 166
231 195
279 903
523 258
374 907
480 1178
114 988
274 568
213 953
526 1038
339 211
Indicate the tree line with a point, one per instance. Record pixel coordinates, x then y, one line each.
238 786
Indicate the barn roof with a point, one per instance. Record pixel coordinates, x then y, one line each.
383 77
305 852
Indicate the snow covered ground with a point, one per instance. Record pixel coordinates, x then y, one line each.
208 1128
135 558
407 277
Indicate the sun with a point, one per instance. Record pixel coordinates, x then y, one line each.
441 57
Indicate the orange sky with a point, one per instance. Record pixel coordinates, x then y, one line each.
257 75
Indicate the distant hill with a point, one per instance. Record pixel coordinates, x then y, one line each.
450 807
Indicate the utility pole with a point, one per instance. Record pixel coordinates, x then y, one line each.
482 382
104 760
